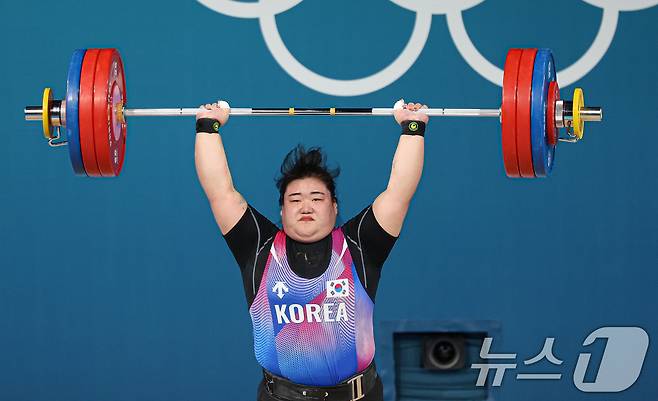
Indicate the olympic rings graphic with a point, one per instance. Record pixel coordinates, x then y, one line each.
258 9
266 11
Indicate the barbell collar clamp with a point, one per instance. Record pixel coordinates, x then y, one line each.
57 113
559 114
586 113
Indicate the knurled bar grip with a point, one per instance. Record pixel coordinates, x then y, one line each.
313 112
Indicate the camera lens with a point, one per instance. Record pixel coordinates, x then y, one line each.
444 353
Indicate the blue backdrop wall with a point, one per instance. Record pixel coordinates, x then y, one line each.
123 289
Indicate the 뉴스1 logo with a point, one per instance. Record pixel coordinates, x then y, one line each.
620 367
338 288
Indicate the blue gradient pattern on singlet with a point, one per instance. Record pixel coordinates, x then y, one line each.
319 332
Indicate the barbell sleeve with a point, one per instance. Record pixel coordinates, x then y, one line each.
591 113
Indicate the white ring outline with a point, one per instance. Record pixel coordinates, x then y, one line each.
241 9
266 10
566 77
623 5
349 87
436 7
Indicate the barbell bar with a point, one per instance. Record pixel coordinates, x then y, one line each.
94 113
35 113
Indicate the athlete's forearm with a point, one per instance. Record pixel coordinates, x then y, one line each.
212 166
407 167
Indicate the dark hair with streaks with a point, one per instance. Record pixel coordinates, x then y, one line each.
302 163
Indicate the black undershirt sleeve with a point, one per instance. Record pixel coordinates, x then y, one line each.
369 246
249 242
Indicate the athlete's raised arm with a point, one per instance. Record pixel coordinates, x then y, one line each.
212 166
390 207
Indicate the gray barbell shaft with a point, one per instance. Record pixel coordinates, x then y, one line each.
33 113
312 111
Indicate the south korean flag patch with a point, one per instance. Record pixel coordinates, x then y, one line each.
338 288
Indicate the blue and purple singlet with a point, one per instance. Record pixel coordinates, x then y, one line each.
316 331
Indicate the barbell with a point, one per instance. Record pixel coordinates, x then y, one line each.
94 113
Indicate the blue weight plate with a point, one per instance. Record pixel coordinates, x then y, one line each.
72 122
543 153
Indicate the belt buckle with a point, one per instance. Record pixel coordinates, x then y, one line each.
269 380
356 384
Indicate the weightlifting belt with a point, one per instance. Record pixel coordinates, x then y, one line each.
353 389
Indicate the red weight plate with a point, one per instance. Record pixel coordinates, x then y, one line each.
523 103
551 129
124 124
508 112
85 113
109 131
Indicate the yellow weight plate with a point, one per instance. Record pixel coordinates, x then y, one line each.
45 113
578 103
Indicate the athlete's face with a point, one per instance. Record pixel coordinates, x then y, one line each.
308 213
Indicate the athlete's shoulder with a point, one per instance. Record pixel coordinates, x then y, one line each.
251 222
351 226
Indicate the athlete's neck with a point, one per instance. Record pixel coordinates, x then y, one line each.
309 258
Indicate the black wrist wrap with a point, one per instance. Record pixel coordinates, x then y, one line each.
209 125
413 127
